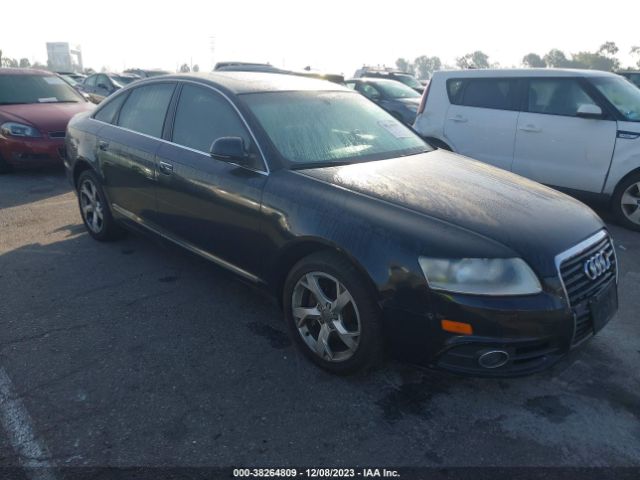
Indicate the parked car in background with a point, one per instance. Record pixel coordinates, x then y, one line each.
100 85
268 68
148 73
78 77
396 98
35 107
632 75
362 231
403 77
578 131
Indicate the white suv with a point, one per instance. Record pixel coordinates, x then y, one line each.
576 130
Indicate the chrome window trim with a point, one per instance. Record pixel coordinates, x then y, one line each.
266 171
184 244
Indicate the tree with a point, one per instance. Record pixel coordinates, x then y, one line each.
425 66
1 57
595 61
185 68
476 59
556 58
533 60
634 51
608 48
9 62
404 65
196 68
39 66
25 63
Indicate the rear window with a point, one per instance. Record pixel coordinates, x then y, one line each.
16 89
494 93
145 109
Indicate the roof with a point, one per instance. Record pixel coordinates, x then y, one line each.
252 82
524 72
24 71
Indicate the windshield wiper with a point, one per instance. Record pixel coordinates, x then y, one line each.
329 163
15 103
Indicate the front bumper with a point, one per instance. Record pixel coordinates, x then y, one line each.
534 331
32 152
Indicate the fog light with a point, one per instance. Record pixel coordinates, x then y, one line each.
456 327
493 359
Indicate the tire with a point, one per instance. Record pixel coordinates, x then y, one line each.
626 202
353 330
94 208
4 166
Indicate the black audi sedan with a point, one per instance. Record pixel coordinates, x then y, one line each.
370 239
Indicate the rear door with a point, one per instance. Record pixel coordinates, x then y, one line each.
127 150
481 121
556 147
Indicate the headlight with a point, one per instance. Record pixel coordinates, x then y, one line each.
19 130
480 276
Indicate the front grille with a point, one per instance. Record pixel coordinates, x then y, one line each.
57 134
580 288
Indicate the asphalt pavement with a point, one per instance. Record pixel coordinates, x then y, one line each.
135 353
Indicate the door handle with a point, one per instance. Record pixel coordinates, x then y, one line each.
166 168
530 128
458 118
104 146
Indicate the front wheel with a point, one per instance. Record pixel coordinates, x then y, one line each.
94 208
333 314
626 202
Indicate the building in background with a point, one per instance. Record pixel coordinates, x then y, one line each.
62 58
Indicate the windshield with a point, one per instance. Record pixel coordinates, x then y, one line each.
409 81
393 89
70 80
122 80
622 94
16 89
313 128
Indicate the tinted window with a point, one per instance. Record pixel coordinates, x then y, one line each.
108 112
328 127
145 109
393 89
90 81
203 116
454 89
103 81
556 96
368 90
36 89
487 93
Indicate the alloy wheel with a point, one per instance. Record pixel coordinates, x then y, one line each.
630 203
326 316
91 206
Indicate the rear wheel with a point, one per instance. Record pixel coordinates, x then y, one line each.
332 314
626 202
94 208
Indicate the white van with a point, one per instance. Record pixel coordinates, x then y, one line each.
576 130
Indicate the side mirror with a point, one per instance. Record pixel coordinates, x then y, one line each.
230 149
587 110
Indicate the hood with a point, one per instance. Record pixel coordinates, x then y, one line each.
531 219
46 117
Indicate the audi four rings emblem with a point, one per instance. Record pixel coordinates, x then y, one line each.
597 265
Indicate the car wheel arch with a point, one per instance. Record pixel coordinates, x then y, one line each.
635 171
300 248
79 167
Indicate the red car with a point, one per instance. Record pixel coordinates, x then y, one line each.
35 107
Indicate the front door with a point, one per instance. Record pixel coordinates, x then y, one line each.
210 204
556 147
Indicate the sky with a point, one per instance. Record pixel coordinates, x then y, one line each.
327 35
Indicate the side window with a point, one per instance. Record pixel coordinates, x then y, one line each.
351 85
488 93
103 80
454 90
203 116
556 96
146 107
90 81
107 113
368 91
